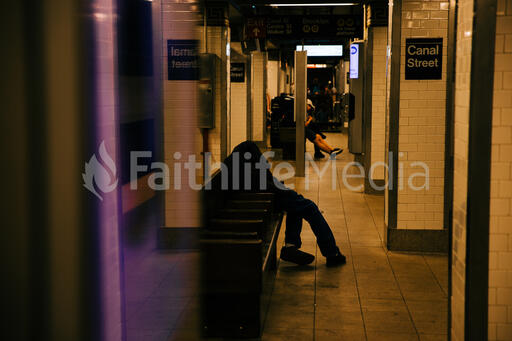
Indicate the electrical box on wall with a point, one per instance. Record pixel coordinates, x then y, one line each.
208 66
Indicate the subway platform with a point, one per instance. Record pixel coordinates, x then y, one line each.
377 295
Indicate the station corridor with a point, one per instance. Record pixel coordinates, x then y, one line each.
137 206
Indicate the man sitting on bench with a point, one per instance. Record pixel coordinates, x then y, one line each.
295 205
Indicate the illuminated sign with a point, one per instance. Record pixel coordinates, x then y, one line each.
322 50
354 61
317 66
305 26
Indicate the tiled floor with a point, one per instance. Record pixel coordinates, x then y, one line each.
377 295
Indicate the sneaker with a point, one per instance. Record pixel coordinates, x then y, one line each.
294 255
336 152
319 156
336 260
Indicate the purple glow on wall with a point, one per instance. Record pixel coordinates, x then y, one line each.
106 104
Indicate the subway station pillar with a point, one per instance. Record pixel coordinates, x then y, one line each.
238 99
416 126
481 265
180 31
301 80
375 97
215 39
258 97
500 208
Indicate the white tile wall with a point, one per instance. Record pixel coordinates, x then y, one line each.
379 100
258 108
238 106
422 122
460 176
500 245
238 113
272 78
238 100
214 38
182 207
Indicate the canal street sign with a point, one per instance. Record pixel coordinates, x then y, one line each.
423 58
237 72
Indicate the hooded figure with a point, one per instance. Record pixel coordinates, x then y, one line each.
249 170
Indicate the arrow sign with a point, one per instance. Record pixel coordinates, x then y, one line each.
256 28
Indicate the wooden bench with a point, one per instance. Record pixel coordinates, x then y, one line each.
238 260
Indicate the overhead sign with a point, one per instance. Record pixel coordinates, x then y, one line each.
217 15
256 28
354 61
377 14
182 60
423 58
306 27
237 72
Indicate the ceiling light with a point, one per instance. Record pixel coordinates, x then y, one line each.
314 4
317 66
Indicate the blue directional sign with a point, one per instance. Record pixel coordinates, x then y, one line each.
354 61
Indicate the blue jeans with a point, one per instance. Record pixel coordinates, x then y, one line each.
301 208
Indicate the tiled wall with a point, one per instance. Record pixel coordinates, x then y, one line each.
391 27
500 246
282 80
422 122
238 113
285 74
215 45
258 108
460 175
272 78
379 99
238 104
179 21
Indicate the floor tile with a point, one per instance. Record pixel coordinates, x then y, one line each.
338 303
381 336
289 318
353 334
147 335
287 334
342 320
430 317
429 337
388 321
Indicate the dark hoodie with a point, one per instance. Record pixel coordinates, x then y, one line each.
259 180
